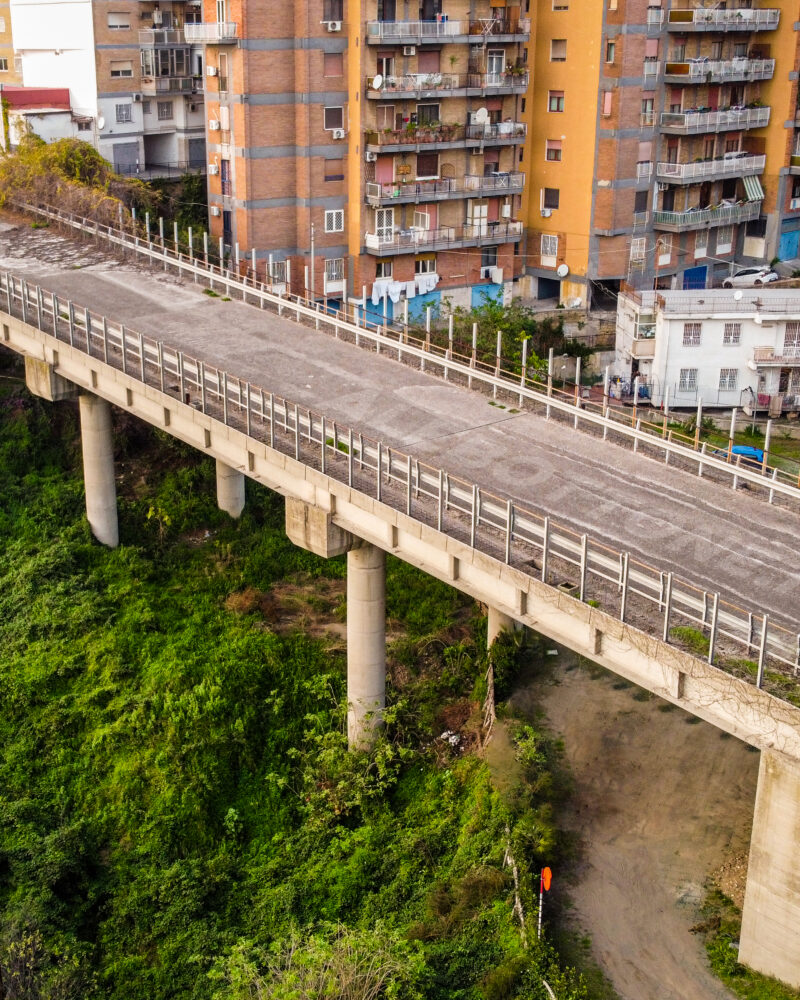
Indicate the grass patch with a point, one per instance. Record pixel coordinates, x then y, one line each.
211 293
692 638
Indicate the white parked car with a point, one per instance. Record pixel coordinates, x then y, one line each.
749 276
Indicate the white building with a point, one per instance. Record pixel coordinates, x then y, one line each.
722 347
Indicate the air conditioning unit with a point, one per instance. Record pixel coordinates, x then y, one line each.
213 125
137 97
339 133
409 50
496 275
334 25
486 272
546 213
213 169
211 70
216 210
370 157
505 210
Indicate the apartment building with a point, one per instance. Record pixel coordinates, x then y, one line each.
135 83
8 68
724 348
660 144
385 134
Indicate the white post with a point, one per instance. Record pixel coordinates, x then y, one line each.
97 446
191 245
732 433
767 436
366 643
230 489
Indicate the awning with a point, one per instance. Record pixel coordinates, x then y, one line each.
753 189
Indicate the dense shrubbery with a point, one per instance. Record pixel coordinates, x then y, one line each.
179 815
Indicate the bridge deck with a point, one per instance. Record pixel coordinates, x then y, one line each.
718 538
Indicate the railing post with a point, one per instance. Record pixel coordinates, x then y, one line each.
160 363
181 377
473 515
296 432
624 587
509 529
24 290
224 397
141 353
124 358
71 316
408 484
584 555
323 435
350 456
712 639
249 417
762 652
201 373
272 420
378 475
667 607
545 548
439 512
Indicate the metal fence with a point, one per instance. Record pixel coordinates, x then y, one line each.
652 600
638 427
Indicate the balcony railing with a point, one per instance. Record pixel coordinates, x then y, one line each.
443 188
161 36
703 19
417 83
694 122
503 132
647 119
212 33
789 356
700 218
719 70
419 31
170 85
725 166
491 27
413 240
794 163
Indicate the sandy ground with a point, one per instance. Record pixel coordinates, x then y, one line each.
661 801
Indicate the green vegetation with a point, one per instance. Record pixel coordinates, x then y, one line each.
73 175
720 928
180 815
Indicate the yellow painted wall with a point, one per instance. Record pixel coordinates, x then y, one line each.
7 47
779 94
581 25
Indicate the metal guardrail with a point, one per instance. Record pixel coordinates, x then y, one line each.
516 534
393 339
723 166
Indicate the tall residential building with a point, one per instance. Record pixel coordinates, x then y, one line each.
8 68
135 82
660 142
387 133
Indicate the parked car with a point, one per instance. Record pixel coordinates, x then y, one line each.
748 276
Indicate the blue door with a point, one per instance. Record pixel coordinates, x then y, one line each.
790 245
694 277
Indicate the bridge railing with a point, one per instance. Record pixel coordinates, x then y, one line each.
739 641
637 427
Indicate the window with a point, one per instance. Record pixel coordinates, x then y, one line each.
552 149
2 24
84 126
688 380
791 340
612 4
425 264
560 5
647 111
550 197
427 114
558 50
333 10
164 109
333 118
606 105
334 221
724 239
549 245
124 112
731 145
637 248
732 333
384 222
664 245
691 334
427 165
333 64
716 50
740 50
489 257
611 46
121 68
119 21
334 170
147 107
728 379
3 65
334 269
700 243
555 100
383 268
422 220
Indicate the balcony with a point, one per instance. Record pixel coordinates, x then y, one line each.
766 357
439 136
443 189
794 164
736 165
151 37
171 85
702 218
444 238
415 32
742 19
702 122
501 28
697 71
212 33
413 85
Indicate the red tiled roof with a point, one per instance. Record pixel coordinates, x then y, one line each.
28 98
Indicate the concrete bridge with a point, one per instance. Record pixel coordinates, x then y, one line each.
354 491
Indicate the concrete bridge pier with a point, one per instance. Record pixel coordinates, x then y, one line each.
230 489
498 622
770 936
312 527
97 446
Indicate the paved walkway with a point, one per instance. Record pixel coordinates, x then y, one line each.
711 535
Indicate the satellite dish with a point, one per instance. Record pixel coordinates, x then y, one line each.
377 82
101 123
738 295
562 270
481 116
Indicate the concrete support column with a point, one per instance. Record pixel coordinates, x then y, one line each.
230 489
97 444
366 643
770 938
498 622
